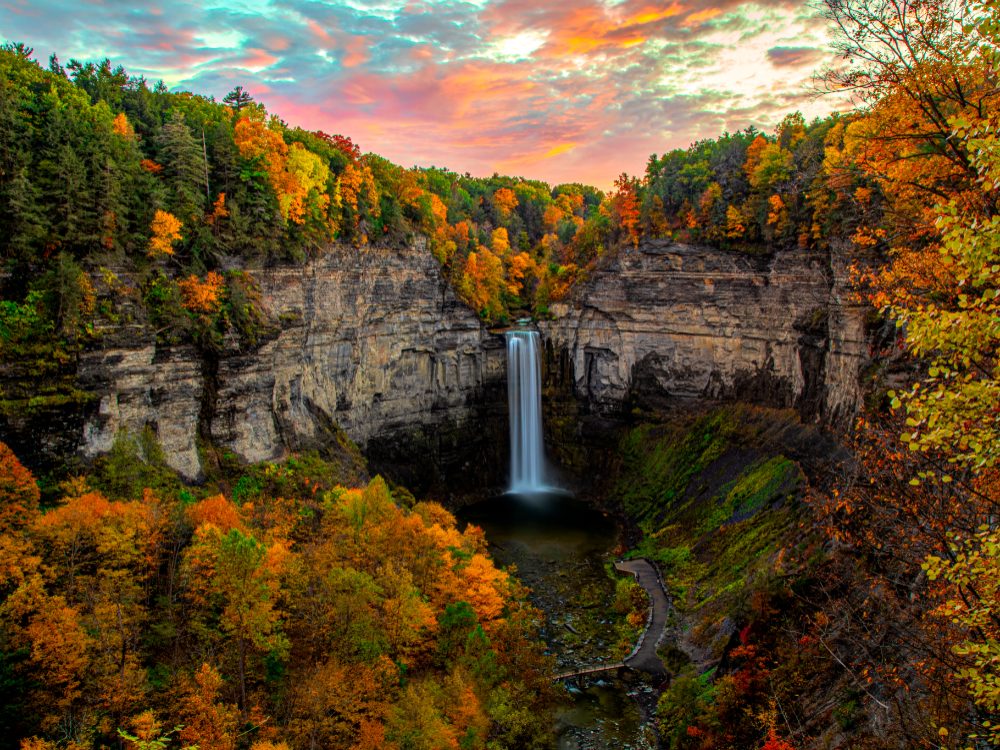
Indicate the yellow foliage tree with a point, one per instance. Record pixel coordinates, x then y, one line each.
166 232
500 242
735 227
306 190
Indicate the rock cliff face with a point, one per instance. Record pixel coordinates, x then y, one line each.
373 341
666 322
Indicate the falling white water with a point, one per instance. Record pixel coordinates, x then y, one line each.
524 398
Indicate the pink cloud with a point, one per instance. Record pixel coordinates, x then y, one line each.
22 8
355 51
277 43
162 38
256 58
318 31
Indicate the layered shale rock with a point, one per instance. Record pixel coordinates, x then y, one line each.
666 322
375 343
372 341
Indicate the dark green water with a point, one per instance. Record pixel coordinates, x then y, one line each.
561 547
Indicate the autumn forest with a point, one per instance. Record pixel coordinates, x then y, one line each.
834 577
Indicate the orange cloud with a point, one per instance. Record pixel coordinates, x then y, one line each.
479 87
562 148
653 14
594 27
701 16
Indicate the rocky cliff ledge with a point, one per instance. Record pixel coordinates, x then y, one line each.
666 323
371 340
374 342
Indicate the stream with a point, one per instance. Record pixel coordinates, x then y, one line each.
562 548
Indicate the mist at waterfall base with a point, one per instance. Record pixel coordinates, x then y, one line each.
528 470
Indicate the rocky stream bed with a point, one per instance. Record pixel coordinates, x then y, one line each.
563 550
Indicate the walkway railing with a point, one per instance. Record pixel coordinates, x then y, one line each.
590 670
648 576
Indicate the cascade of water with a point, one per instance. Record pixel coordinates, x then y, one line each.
524 398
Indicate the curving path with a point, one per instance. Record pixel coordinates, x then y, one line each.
643 657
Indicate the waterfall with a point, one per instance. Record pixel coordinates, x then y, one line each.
524 398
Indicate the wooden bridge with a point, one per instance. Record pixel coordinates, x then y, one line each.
591 670
643 657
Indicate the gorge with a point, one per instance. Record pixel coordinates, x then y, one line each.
374 342
303 448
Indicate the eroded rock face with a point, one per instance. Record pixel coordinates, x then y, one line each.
666 322
144 386
372 340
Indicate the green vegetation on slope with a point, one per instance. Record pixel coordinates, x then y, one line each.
720 513
713 512
101 173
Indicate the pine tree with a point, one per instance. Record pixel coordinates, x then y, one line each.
23 231
237 98
183 168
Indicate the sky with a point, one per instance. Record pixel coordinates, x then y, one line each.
558 90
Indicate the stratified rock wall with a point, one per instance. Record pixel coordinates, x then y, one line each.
372 340
666 322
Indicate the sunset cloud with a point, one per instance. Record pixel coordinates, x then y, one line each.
795 56
552 90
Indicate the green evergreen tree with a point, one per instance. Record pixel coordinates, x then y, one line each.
22 232
237 98
182 158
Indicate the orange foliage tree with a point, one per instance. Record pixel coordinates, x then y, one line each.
625 207
360 195
121 126
505 201
202 296
329 600
298 176
482 282
928 496
18 493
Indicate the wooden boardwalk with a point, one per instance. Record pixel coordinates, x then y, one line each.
643 657
590 670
